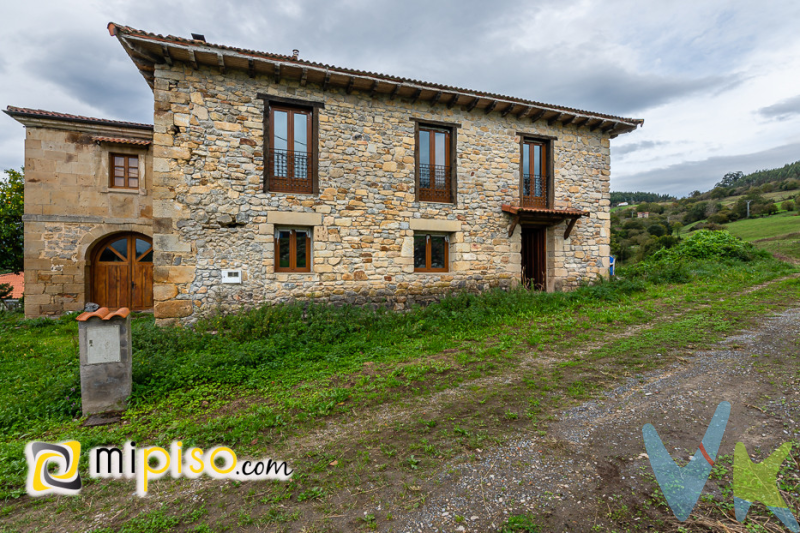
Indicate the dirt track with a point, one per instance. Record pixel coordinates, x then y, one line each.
590 470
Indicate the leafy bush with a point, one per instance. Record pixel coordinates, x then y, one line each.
788 205
706 244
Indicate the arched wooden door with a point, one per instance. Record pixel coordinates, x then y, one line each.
122 272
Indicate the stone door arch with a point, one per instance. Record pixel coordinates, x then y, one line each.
122 272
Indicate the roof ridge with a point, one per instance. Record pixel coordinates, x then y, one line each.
115 28
26 111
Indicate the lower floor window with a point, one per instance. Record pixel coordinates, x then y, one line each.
431 253
293 250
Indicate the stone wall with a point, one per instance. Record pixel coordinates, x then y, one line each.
210 211
69 207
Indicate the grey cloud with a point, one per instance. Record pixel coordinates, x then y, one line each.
682 178
782 110
636 147
94 70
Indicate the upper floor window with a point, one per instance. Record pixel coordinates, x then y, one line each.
124 171
534 174
436 170
291 163
290 139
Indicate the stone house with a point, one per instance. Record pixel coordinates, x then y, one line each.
275 178
81 217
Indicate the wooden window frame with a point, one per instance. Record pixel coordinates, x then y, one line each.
311 107
126 177
293 250
427 268
452 130
547 143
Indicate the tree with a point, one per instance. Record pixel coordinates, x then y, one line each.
730 179
11 229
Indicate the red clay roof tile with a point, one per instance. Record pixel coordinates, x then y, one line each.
17 282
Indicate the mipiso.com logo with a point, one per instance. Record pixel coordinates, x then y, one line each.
142 464
64 456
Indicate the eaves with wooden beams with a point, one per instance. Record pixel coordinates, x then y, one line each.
149 49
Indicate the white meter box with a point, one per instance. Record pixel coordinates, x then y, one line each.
232 276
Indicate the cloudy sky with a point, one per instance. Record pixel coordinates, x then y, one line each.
717 82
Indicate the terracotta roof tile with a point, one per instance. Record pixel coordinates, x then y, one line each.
40 113
121 140
512 209
104 314
17 282
115 29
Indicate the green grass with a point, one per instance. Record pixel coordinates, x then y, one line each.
274 371
767 227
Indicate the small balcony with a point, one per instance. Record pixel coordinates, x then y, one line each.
534 190
434 183
290 171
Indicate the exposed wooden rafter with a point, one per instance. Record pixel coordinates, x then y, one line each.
597 125
166 54
609 129
513 226
144 54
144 65
554 119
525 112
148 51
538 115
581 122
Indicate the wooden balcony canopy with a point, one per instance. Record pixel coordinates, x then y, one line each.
148 50
540 216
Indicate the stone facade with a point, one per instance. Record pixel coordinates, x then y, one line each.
210 211
69 206
202 198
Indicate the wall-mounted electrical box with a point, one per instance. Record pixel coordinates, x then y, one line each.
231 276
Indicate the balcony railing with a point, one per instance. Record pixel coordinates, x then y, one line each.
290 171
534 190
434 183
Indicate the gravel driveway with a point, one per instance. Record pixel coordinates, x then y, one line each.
592 460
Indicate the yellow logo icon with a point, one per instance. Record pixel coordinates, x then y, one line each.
65 456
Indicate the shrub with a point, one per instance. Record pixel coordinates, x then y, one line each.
656 230
706 244
770 208
788 205
5 290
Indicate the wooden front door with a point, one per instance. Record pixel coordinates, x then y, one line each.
534 258
122 272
